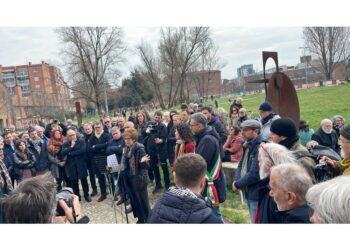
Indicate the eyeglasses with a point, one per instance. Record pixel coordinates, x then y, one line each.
241 112
107 122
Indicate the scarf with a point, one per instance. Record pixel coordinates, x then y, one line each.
182 192
267 118
289 142
37 144
344 166
5 177
129 154
180 146
98 135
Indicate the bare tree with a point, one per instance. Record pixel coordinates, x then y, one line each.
92 55
329 44
152 66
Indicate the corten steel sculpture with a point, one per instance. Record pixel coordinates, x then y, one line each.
280 91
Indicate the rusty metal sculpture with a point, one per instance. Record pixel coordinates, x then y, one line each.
280 91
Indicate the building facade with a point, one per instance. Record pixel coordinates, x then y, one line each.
245 70
32 92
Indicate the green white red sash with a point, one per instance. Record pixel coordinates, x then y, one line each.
211 177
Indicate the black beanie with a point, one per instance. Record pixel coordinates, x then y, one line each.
345 131
284 127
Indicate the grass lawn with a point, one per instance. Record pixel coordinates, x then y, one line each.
315 105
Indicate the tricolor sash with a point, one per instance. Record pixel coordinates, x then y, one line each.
211 177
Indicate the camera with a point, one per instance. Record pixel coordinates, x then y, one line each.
323 172
152 127
63 194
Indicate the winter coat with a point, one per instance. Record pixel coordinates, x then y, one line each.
116 147
75 162
21 164
152 147
136 167
182 206
250 182
328 140
306 162
299 215
267 207
208 146
8 150
219 127
305 137
97 146
265 128
234 147
41 157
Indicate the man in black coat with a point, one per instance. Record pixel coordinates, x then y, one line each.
74 149
208 146
9 149
115 146
215 123
289 184
184 203
155 142
97 146
326 136
88 132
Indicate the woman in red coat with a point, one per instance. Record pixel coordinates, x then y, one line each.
184 141
233 147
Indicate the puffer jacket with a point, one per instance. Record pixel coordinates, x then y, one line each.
179 205
20 164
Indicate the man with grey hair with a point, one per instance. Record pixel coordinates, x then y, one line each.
330 201
129 125
208 146
326 136
289 184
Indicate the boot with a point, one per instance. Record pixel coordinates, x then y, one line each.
102 198
94 193
157 189
87 198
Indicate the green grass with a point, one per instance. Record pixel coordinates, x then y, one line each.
232 209
315 104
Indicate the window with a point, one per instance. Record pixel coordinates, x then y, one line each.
11 90
9 78
36 70
25 91
22 77
36 78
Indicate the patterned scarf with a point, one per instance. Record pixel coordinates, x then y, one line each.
5 173
129 154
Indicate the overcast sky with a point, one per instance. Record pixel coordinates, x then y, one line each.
237 45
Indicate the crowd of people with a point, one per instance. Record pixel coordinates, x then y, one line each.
180 154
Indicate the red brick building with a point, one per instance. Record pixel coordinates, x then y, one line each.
205 83
33 91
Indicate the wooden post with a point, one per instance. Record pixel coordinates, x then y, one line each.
78 110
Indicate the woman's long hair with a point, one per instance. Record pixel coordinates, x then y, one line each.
185 132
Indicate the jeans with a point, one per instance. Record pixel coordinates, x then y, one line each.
252 205
217 213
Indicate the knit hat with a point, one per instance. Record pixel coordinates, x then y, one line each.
345 131
265 106
284 127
